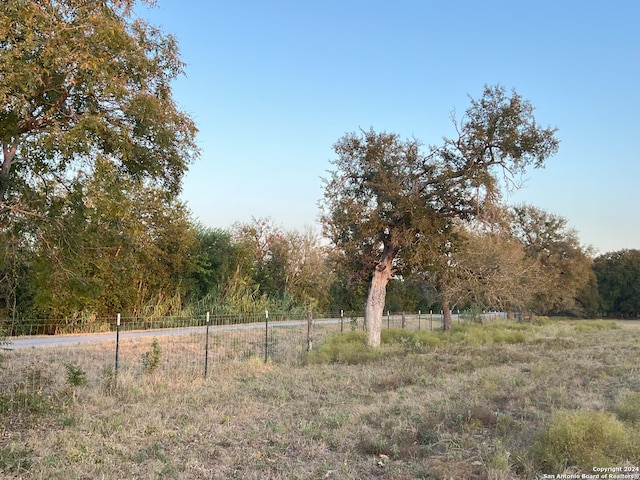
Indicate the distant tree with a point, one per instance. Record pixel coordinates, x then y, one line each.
16 286
588 300
407 295
392 206
266 245
618 276
288 266
564 265
488 269
84 80
308 277
219 259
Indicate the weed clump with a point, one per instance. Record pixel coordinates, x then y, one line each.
585 440
595 325
151 359
540 320
347 348
474 334
76 376
627 408
15 460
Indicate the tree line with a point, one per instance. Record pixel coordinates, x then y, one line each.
141 255
94 149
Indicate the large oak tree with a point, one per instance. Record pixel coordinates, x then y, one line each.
392 206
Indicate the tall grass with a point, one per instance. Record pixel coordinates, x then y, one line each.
472 404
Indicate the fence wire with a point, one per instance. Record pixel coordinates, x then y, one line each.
35 368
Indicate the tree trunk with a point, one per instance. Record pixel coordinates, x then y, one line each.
8 155
446 315
375 299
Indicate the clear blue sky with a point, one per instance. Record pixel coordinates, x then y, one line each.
274 84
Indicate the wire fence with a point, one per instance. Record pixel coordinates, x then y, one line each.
34 367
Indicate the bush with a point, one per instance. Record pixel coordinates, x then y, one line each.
583 439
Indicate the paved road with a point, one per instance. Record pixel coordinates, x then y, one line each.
73 339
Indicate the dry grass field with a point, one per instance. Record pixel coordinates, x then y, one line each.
500 401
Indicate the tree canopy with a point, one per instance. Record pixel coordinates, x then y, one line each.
393 207
82 79
563 264
618 275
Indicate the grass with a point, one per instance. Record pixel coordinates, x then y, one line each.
484 402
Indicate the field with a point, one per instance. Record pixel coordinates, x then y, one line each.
499 401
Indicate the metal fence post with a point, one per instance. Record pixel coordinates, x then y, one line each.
266 335
117 342
309 330
341 320
206 347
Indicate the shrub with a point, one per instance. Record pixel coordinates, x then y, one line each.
584 439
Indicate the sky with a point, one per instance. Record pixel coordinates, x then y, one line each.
273 84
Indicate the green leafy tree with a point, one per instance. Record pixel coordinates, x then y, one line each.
308 277
80 79
83 83
267 247
117 245
220 258
393 207
618 277
16 288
